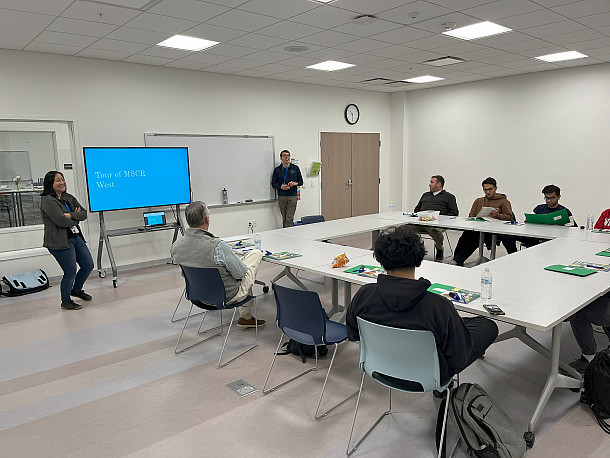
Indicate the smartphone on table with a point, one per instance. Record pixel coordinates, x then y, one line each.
493 309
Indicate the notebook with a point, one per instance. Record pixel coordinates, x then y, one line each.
580 271
559 217
152 219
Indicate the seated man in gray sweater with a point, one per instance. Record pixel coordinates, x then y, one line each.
199 248
437 199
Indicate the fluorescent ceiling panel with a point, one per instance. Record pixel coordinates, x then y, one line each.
187 43
423 79
474 31
330 66
558 57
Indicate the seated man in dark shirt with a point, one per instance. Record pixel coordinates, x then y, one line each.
552 194
401 301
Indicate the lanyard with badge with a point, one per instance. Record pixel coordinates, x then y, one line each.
285 171
74 229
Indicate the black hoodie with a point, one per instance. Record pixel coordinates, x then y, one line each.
407 304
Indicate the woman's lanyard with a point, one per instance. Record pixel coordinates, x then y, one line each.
285 171
66 204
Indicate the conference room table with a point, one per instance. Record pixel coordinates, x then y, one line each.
530 296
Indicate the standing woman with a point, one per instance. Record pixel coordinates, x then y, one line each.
61 213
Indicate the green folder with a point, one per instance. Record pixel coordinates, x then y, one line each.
606 252
580 271
559 218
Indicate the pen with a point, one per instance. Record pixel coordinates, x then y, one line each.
594 266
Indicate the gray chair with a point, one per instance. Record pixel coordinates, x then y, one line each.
401 359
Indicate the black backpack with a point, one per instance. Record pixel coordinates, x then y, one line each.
303 350
597 388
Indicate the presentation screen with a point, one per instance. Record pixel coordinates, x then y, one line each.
122 178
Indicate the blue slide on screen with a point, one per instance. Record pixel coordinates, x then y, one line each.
122 178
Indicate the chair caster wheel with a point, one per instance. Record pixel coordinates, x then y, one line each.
265 289
529 439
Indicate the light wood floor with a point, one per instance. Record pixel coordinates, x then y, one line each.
104 381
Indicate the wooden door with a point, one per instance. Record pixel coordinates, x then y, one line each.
365 174
336 155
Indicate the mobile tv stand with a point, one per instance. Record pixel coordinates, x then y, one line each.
105 235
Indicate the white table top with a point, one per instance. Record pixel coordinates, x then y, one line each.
334 228
446 222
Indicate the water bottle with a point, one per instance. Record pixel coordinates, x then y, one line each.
391 207
225 197
486 283
590 222
257 242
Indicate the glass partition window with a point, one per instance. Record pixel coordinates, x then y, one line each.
28 150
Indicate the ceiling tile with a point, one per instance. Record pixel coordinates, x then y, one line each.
92 29
426 11
149 60
289 30
402 36
204 57
17 25
393 51
501 9
279 8
185 65
583 8
268 57
368 6
126 3
325 17
328 38
575 37
275 68
60 38
53 48
598 20
522 45
168 53
224 69
137 36
502 58
229 3
369 30
456 49
117 45
193 10
52 7
242 63
242 20
433 41
547 30
599 53
362 45
503 38
158 23
482 54
435 25
532 19
103 54
213 32
97 12
329 54
280 48
231 50
254 72
255 40
593 44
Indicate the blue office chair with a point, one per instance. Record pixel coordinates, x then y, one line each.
301 317
401 359
205 290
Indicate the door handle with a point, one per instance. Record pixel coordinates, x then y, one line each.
349 182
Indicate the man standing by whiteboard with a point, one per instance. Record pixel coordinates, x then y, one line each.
285 179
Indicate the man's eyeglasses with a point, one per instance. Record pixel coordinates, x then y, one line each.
550 198
488 189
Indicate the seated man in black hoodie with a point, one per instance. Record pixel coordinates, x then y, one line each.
401 301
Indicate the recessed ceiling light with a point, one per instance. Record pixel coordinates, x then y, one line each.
187 43
423 79
557 57
364 19
322 1
330 66
474 31
442 61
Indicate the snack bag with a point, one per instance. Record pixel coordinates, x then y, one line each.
340 260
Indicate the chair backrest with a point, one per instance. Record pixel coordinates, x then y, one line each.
405 354
312 219
300 314
204 285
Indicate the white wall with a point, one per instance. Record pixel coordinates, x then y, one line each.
526 131
114 103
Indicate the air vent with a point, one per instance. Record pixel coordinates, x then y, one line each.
385 82
442 61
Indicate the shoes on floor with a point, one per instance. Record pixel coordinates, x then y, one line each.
580 365
597 328
81 295
453 262
249 323
71 305
439 256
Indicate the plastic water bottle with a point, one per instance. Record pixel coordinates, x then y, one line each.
590 222
225 196
486 284
391 207
257 242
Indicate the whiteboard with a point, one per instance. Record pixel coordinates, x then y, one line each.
240 164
